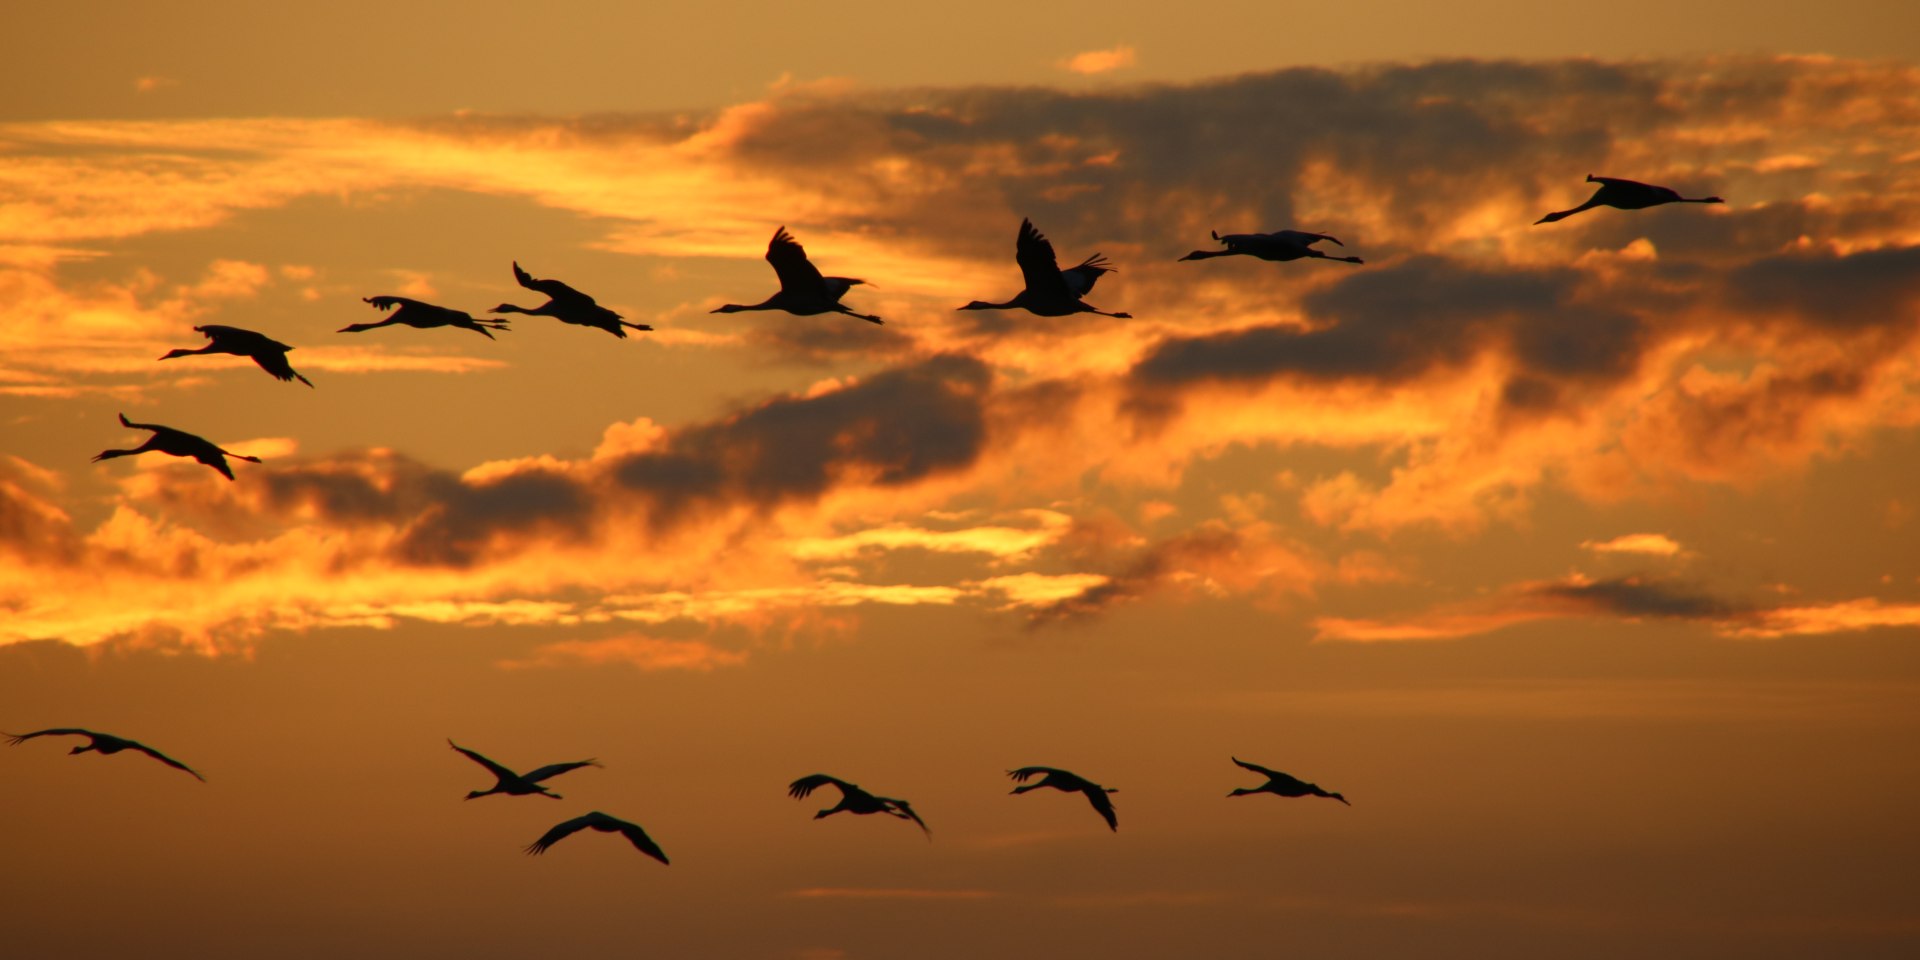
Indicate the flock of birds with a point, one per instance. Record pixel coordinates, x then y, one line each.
853 799
1048 292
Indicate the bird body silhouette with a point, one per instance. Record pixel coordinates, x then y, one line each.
104 743
1278 246
1071 783
1051 291
1626 195
568 305
1283 785
424 316
179 443
269 353
519 784
803 291
855 800
603 823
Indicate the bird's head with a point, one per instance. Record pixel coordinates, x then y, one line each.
181 352
505 308
1550 218
979 305
83 748
474 794
1196 255
1712 200
727 308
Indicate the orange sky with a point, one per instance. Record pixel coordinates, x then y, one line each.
1577 556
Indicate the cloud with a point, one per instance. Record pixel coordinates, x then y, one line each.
1100 61
1647 544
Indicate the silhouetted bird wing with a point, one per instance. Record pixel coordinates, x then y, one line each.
903 807
556 769
640 840
388 303
1304 238
554 289
493 768
19 738
1038 264
797 273
156 428
561 831
163 758
808 784
1256 768
1623 182
1081 279
1097 795
1021 775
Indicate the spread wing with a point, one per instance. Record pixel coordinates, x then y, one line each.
1081 279
156 428
906 813
242 339
1097 795
797 274
163 758
640 840
808 784
1021 775
560 831
1038 265
493 768
388 303
556 769
1256 768
18 738
554 289
1621 182
1304 238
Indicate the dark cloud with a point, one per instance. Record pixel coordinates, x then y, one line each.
32 528
892 429
1866 289
1643 597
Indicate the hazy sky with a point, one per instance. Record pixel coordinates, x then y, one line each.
1577 556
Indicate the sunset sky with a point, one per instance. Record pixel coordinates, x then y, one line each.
1579 557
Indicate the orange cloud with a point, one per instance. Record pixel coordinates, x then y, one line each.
1648 544
1100 61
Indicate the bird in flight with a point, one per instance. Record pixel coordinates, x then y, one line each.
803 291
1051 291
1071 783
568 305
269 353
517 784
179 443
1280 784
105 743
855 800
1278 246
423 316
603 823
1625 195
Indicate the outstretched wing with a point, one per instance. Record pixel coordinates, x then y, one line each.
241 338
1081 279
1621 182
18 738
388 303
560 832
1038 265
1021 775
906 813
156 428
493 768
163 758
1304 238
1097 795
808 784
797 273
640 840
556 769
1256 768
554 289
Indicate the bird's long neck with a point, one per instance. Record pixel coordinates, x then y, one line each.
1204 254
184 352
983 305
510 308
766 304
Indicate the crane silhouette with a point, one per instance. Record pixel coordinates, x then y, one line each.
179 443
803 291
1071 783
855 800
1283 785
568 305
603 823
519 784
1050 291
269 353
1278 246
1625 195
425 316
103 743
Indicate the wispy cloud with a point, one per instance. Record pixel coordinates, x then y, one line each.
1100 61
1645 544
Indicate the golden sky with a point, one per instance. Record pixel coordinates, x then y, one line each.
1577 556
